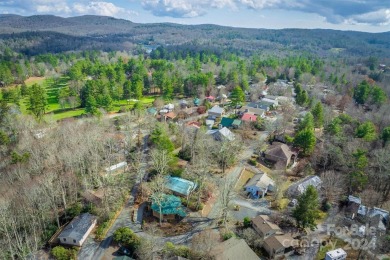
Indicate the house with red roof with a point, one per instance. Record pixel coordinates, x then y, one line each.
248 117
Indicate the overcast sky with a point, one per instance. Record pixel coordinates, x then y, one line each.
358 15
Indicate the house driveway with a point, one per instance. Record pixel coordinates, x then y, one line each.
249 208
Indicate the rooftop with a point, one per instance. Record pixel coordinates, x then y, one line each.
116 166
181 186
248 117
301 186
279 241
171 205
260 180
222 133
263 224
354 199
233 249
216 109
336 253
227 122
78 226
280 151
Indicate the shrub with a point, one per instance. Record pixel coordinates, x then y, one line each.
126 237
61 253
101 230
185 154
227 235
247 222
177 172
326 206
172 250
252 162
74 210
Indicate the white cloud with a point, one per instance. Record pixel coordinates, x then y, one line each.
184 8
101 8
380 17
66 7
373 12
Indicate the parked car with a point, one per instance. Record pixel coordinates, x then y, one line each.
124 251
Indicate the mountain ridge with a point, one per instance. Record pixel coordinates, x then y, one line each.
108 33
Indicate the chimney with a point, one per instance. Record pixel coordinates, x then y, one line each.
257 106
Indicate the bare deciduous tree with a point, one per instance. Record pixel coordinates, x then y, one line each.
333 186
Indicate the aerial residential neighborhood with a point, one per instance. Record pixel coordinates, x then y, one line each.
168 137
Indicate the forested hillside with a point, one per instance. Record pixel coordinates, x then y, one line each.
30 36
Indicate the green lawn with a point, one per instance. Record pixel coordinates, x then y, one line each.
53 108
336 243
66 114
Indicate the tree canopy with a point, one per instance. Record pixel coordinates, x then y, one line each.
307 211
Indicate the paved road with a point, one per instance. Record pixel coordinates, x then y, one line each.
94 251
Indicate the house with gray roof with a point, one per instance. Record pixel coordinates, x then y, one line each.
221 134
300 187
216 111
77 231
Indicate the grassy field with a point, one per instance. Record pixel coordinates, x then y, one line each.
32 80
54 110
244 178
336 243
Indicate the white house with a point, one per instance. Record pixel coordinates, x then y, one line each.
337 254
77 231
259 185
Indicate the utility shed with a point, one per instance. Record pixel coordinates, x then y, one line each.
180 186
77 231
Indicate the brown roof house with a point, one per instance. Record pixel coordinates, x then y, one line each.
233 249
259 185
264 227
281 154
279 245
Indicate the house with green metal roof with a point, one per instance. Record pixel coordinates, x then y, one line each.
236 123
230 122
226 122
171 208
179 186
